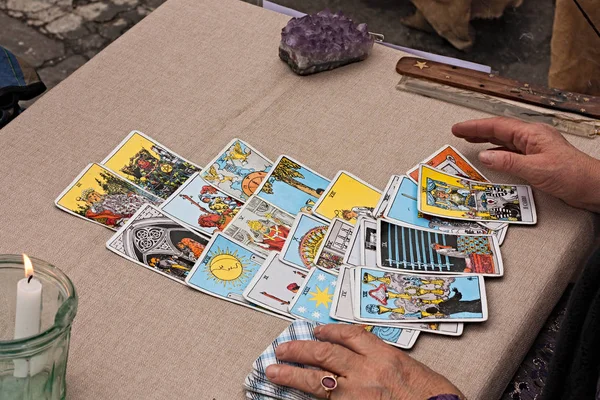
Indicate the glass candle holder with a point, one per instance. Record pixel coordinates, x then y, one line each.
34 367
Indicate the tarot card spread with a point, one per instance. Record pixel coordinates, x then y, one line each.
154 240
292 187
334 246
238 170
305 239
150 165
347 197
201 206
104 198
261 226
393 296
454 197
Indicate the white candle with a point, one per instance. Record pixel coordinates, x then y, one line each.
29 309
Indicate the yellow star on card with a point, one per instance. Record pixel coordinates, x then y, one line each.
421 64
321 297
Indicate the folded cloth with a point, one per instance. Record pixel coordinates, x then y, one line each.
18 81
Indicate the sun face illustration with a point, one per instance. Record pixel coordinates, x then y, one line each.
227 267
321 297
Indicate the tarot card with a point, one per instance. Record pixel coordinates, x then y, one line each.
314 298
368 242
275 285
292 187
342 310
347 197
386 197
104 198
152 239
451 161
150 165
304 240
453 197
403 209
353 255
331 253
398 297
260 226
404 248
225 269
238 170
201 206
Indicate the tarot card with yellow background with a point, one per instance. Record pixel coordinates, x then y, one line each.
454 197
347 197
150 165
103 197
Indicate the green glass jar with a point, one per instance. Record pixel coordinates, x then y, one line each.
34 367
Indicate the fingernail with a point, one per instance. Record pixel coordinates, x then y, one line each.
486 157
272 371
280 350
317 330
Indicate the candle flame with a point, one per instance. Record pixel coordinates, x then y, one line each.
28 266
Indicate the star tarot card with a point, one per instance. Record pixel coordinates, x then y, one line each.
303 242
225 269
275 285
451 161
347 197
453 197
260 226
103 197
397 297
201 206
238 170
314 298
335 244
403 209
386 197
152 239
292 187
421 251
149 164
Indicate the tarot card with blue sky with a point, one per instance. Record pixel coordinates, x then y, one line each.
397 297
225 269
292 187
313 300
201 206
238 170
303 242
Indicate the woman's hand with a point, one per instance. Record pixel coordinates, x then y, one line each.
538 154
367 368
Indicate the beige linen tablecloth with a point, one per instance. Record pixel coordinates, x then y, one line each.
193 75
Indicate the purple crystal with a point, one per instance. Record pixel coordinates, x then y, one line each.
323 41
328 382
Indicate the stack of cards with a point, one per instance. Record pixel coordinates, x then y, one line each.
282 239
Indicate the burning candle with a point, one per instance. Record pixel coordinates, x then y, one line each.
29 309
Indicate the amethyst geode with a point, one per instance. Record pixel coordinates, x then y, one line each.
323 41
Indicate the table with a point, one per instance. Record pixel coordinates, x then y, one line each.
193 75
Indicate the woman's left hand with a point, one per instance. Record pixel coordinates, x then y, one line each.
367 367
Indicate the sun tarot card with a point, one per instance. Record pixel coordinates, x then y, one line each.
397 297
292 187
386 197
103 197
330 255
347 197
368 242
152 239
238 170
457 198
314 298
260 226
201 206
342 309
149 164
404 248
225 269
451 161
403 209
303 242
275 285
